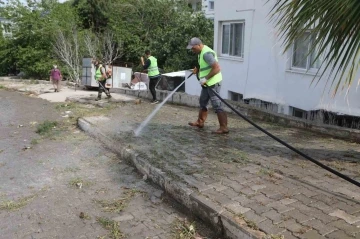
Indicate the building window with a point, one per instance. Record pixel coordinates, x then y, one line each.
233 39
299 113
301 59
235 96
211 5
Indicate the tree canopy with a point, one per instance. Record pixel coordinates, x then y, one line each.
163 26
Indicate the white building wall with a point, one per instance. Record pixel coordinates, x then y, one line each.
264 72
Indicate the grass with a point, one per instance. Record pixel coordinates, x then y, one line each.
46 127
275 237
268 172
117 205
112 226
16 205
182 229
78 182
71 169
34 142
2 87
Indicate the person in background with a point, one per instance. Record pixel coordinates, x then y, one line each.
55 78
100 77
153 72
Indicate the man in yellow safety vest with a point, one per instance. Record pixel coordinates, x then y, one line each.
100 77
210 77
153 72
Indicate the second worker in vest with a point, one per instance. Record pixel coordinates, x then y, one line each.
100 77
153 72
210 77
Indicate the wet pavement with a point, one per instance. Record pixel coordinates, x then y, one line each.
246 173
64 184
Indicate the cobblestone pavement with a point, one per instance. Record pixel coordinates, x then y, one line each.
249 174
66 185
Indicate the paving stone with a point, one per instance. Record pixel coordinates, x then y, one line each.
217 196
279 207
237 208
293 226
298 216
248 191
196 183
252 169
307 192
258 208
323 207
287 201
243 200
258 187
229 192
339 235
251 215
325 199
343 215
350 209
318 225
304 199
204 178
288 235
218 186
275 217
262 199
342 225
312 234
350 193
269 192
125 217
269 228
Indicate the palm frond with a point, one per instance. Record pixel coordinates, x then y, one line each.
336 27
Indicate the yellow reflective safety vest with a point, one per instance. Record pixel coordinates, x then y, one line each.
205 68
153 69
98 73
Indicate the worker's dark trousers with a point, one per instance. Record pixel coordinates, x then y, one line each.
153 82
101 89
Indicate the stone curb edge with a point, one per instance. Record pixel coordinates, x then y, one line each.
222 221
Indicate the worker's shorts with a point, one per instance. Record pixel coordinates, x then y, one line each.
207 94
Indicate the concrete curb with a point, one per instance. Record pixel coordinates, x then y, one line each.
255 113
221 220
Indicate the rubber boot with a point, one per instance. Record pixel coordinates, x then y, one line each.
201 119
99 97
222 117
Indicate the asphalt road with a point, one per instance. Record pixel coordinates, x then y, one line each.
64 184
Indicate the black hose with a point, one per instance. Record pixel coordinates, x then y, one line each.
287 145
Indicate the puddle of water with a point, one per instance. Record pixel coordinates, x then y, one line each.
137 132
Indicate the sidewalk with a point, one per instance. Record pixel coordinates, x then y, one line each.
45 90
244 183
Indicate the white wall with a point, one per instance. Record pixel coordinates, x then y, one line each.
264 72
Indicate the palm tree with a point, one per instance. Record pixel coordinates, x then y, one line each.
335 30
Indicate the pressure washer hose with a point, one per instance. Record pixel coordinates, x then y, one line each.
343 176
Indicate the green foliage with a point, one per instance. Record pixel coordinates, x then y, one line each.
46 127
163 26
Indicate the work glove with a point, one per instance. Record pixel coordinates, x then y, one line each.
202 81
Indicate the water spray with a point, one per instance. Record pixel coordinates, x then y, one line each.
147 120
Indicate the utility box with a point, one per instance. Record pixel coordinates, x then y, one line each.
170 81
